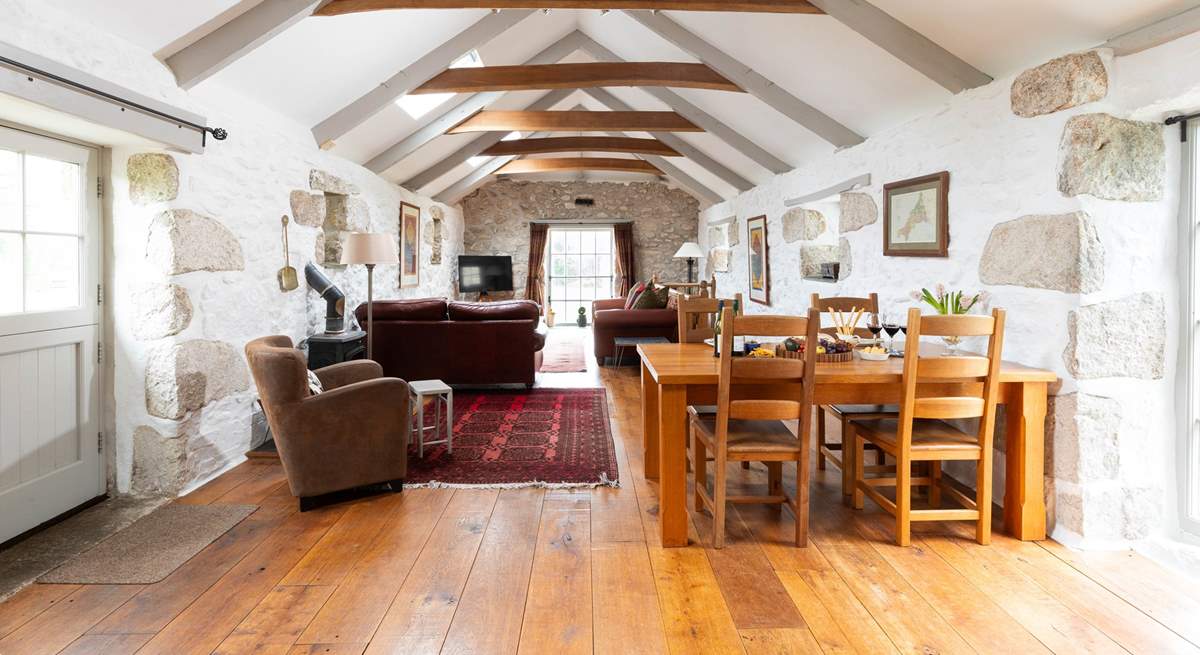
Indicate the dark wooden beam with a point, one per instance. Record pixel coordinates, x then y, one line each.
337 7
577 76
582 144
575 121
578 164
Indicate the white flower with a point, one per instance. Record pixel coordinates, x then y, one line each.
915 295
984 297
941 290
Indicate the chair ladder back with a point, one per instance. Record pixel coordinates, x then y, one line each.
770 370
696 318
869 305
991 387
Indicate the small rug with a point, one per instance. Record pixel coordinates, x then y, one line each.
563 352
505 439
152 547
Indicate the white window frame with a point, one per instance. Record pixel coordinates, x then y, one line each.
578 227
1188 376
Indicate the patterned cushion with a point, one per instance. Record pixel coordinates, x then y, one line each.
655 298
314 384
634 292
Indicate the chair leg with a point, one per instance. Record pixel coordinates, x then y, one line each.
854 460
983 499
903 499
774 478
701 472
935 484
803 484
719 501
847 457
746 465
821 439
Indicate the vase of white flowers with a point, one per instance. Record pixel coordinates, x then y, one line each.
948 303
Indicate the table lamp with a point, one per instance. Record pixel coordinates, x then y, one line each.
691 251
370 249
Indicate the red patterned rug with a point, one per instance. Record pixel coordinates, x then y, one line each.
563 352
540 437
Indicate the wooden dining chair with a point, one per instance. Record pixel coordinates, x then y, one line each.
698 316
921 432
835 452
753 429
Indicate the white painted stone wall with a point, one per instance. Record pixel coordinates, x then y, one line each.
1002 167
244 183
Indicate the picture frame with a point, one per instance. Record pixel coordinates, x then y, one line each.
758 260
916 217
410 245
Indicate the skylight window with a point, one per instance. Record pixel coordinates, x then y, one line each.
421 104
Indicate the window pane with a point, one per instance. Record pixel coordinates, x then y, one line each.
557 244
10 190
52 263
560 311
558 266
571 263
558 288
587 265
572 239
587 242
52 195
604 265
573 290
10 272
588 288
604 241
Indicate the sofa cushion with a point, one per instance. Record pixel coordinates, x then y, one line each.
655 298
509 310
420 309
634 292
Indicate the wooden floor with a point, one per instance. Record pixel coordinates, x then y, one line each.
535 571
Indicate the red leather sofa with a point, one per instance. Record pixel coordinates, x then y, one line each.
457 342
610 320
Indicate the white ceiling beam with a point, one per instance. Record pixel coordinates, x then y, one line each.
841 187
698 116
906 44
438 125
416 74
1155 34
746 77
682 179
237 37
478 144
683 147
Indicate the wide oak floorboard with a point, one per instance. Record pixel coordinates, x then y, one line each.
581 571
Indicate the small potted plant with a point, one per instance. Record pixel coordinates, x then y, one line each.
581 320
949 303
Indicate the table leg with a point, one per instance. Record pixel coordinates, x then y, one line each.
1024 501
649 425
672 482
450 422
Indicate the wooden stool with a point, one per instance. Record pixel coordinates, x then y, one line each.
442 395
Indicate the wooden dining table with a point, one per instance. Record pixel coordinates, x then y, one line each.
677 375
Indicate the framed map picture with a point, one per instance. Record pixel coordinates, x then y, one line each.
916 217
760 265
410 233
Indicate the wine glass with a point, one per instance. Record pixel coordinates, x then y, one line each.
874 326
904 332
891 327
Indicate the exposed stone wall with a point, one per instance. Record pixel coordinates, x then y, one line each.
496 220
1062 207
193 248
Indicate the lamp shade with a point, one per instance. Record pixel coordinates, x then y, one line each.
689 250
369 248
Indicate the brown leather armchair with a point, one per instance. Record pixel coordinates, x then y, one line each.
353 435
610 320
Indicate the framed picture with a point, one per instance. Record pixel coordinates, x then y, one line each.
760 264
916 217
410 240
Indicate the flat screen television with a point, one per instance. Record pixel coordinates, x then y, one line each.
481 274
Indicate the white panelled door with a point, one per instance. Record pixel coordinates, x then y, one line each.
50 459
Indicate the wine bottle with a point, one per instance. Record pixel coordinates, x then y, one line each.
717 329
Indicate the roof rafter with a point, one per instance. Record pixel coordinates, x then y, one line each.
417 73
437 126
683 147
478 145
237 37
744 76
905 44
574 121
576 76
698 116
555 164
338 7
581 144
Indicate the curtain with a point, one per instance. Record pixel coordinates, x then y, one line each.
623 236
535 280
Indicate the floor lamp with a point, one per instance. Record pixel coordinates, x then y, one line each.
370 249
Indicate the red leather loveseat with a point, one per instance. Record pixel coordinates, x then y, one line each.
457 342
610 320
